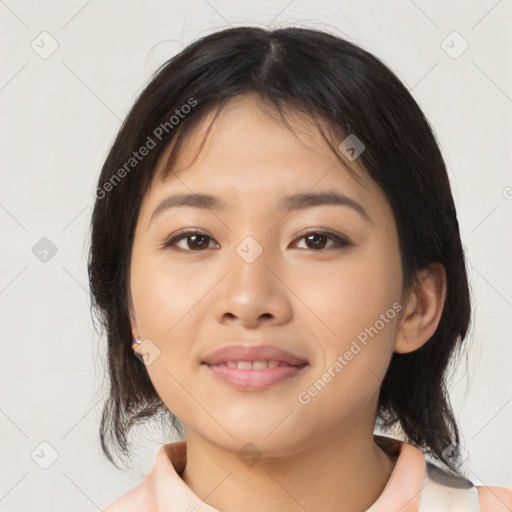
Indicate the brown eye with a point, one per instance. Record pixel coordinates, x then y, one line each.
319 239
198 241
194 241
316 240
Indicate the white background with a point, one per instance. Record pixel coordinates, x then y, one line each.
59 116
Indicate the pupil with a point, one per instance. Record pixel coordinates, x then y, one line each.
319 243
194 240
316 245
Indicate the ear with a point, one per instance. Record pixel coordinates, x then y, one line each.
135 330
135 335
423 309
133 324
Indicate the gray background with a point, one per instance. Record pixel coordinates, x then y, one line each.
60 113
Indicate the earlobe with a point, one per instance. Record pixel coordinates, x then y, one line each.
132 316
135 333
136 342
423 309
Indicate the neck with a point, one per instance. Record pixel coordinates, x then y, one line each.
337 472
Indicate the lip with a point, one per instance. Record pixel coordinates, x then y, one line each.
254 379
232 353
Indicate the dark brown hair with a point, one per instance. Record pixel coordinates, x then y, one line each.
333 83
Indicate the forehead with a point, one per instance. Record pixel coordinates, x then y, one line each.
247 146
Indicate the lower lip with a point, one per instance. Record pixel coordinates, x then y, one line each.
255 379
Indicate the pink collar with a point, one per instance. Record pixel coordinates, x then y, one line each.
171 493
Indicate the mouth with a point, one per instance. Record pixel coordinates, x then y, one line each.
254 367
252 378
254 354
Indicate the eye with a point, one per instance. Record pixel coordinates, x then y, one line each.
317 240
193 240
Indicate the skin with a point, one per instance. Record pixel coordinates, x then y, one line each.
319 456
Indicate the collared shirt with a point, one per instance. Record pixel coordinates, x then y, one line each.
415 485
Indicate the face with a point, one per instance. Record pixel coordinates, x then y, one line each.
319 279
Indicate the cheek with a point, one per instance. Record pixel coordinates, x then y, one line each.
354 352
356 308
350 295
164 303
170 302
164 294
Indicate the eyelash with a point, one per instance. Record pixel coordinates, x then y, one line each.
336 237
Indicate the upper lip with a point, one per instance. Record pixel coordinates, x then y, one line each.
253 353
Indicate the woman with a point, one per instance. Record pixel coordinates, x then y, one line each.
274 238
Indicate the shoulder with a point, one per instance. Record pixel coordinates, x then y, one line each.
495 499
444 492
134 500
143 496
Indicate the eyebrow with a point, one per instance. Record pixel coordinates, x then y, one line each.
287 204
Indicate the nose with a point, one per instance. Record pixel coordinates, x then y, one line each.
253 293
